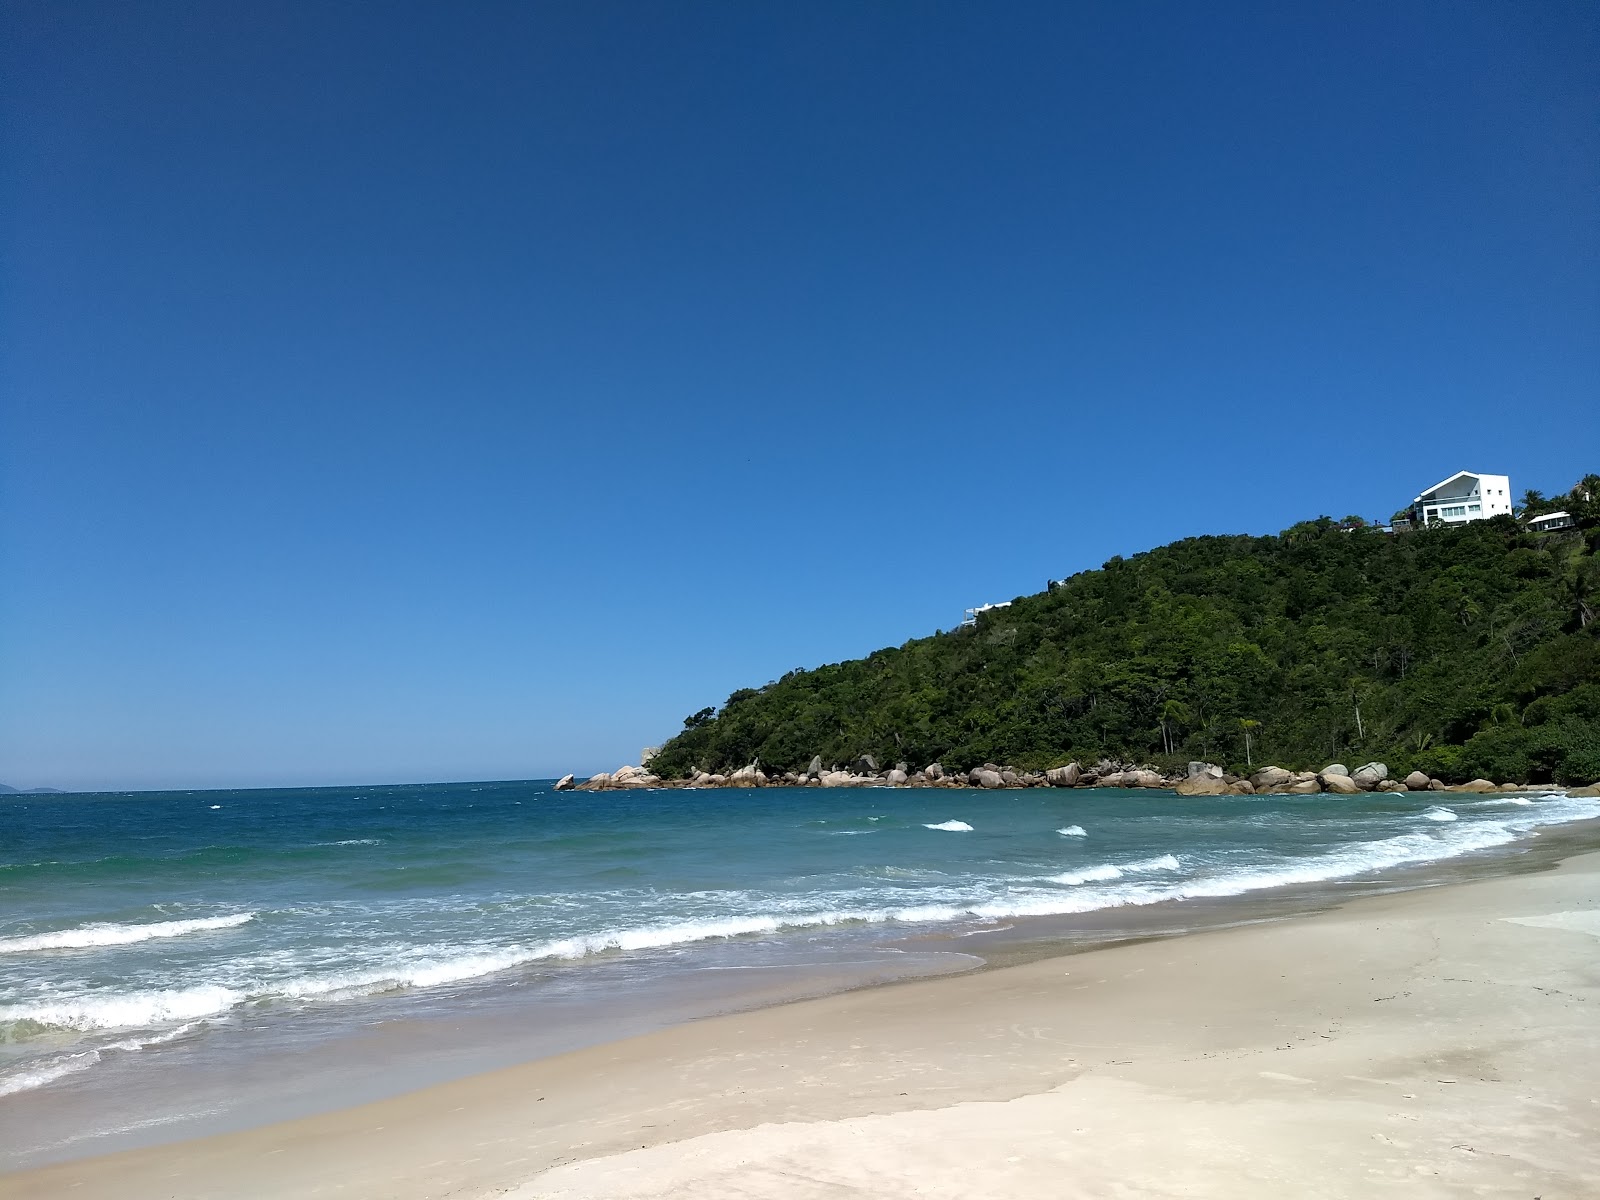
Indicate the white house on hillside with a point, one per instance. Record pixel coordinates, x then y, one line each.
1465 496
1551 521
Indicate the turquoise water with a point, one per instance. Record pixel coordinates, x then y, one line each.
147 933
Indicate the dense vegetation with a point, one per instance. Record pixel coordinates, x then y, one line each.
1465 651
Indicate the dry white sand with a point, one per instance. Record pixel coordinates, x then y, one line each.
1436 1043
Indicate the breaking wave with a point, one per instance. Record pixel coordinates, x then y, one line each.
85 937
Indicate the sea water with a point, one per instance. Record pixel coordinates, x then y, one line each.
184 961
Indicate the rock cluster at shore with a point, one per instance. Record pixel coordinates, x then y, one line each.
1201 779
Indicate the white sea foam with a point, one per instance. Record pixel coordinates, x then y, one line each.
1092 875
951 826
38 1074
1438 813
352 842
108 934
1161 862
1072 831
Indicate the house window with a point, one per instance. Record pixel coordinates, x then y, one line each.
1474 508
1455 510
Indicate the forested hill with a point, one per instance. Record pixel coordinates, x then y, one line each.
1468 651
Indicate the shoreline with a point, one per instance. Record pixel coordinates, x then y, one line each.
896 1053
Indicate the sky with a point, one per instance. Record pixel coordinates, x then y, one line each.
417 392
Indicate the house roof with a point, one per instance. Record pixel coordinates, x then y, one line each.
1443 482
1555 516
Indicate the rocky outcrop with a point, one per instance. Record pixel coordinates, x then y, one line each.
1196 769
1143 779
1066 776
934 771
1202 785
633 777
1269 777
1242 788
1335 769
750 776
815 767
1417 781
1368 776
565 784
1305 787
1479 786
984 777
1341 785
896 777
1591 790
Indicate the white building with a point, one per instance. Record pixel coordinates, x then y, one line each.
1465 496
973 613
1555 520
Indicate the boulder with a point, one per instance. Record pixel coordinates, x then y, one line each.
837 779
1370 775
1303 777
866 765
1437 785
897 777
1335 769
815 766
934 771
1417 781
1010 778
985 778
701 779
1242 788
1197 769
1269 777
1590 791
603 779
1392 785
633 777
1201 785
1144 779
1479 786
565 784
747 777
1306 787
1066 776
1341 785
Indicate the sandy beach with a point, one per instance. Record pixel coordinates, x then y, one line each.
1440 1042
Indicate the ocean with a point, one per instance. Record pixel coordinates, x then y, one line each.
174 963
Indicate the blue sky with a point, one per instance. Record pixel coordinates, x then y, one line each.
419 392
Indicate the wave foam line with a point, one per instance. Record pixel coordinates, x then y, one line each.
86 937
70 1064
951 826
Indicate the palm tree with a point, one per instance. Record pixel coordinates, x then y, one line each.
1248 726
1533 502
1356 687
1173 713
1583 591
1588 488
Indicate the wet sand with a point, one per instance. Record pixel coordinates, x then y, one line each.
1439 1042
